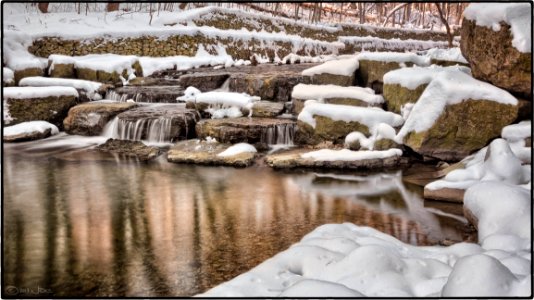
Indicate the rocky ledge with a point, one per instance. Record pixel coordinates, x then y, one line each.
206 153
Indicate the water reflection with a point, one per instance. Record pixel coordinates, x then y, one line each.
82 224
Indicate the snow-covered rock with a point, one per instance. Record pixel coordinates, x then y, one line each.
90 89
29 131
339 72
209 152
8 77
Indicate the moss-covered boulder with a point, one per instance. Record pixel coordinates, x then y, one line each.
397 96
90 118
462 129
494 59
206 153
257 131
327 129
325 78
267 109
49 104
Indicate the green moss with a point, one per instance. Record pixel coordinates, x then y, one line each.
396 96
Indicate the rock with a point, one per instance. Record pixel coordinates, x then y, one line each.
151 94
462 129
28 136
384 144
90 118
334 79
19 74
205 153
62 71
267 109
273 86
327 129
292 159
494 59
446 63
257 131
445 194
371 73
150 81
397 96
158 123
106 77
130 148
524 110
204 81
52 109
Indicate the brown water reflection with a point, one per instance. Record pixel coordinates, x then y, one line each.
121 228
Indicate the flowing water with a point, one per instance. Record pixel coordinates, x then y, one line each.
81 223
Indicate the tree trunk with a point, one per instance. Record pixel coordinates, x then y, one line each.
444 21
43 7
361 8
182 5
112 6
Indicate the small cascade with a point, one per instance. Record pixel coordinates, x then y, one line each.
280 134
112 95
154 130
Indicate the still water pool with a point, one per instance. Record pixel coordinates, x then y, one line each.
79 223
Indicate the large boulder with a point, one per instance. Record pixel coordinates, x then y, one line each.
319 122
267 109
498 46
257 131
373 66
457 115
405 85
49 104
268 86
208 153
90 118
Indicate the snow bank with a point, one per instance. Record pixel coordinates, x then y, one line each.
352 260
321 92
448 88
450 54
38 92
344 67
369 117
7 75
415 76
372 42
517 132
238 149
90 87
15 54
29 127
517 15
497 162
348 155
394 57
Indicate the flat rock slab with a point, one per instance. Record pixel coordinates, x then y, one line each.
130 148
292 159
150 94
237 130
179 122
150 81
445 194
28 136
267 109
90 118
204 81
204 153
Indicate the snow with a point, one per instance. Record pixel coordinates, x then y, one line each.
293 58
238 149
517 132
38 92
448 88
394 57
321 92
224 99
7 75
379 132
29 127
344 67
349 155
372 42
450 54
15 54
107 62
348 260
90 87
497 162
369 117
221 113
415 76
517 15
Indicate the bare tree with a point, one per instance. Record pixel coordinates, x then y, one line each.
43 7
392 13
444 21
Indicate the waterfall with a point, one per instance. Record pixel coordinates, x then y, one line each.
280 134
112 95
154 130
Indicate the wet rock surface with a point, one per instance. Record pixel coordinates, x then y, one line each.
150 94
90 118
129 148
205 153
257 131
445 194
